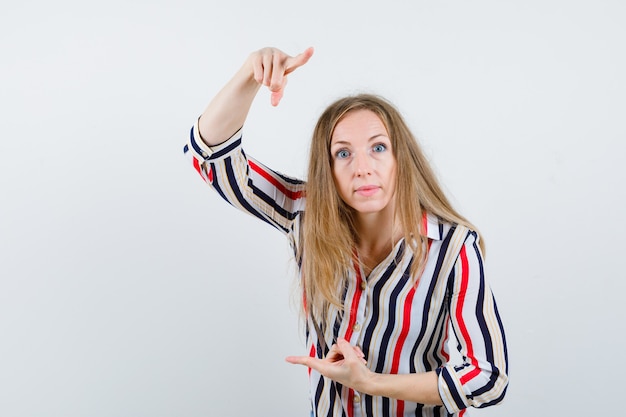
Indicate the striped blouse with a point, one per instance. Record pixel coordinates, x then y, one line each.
402 325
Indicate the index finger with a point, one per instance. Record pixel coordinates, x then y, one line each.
300 360
299 60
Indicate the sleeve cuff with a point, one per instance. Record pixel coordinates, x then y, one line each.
203 152
451 390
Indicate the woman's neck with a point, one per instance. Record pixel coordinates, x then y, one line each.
377 235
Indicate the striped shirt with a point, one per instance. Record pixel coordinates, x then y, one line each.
403 325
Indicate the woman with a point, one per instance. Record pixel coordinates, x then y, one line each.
387 265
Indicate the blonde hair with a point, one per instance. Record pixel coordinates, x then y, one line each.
328 235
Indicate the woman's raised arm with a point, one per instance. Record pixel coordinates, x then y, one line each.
229 108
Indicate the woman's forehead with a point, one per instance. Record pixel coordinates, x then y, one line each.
359 124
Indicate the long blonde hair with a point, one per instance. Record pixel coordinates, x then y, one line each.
328 234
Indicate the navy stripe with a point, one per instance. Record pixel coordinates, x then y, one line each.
185 148
369 405
214 155
332 399
376 291
271 202
459 368
321 352
495 400
450 382
217 187
193 143
290 180
430 358
441 411
232 180
369 330
318 394
449 306
386 407
391 323
501 327
431 289
226 150
495 372
336 328
480 317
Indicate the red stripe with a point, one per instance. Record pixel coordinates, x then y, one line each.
459 317
406 322
311 354
404 331
355 302
353 310
400 408
293 195
443 350
196 165
351 402
424 224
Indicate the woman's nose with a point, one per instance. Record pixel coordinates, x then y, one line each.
362 164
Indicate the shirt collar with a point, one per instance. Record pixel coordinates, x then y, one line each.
431 227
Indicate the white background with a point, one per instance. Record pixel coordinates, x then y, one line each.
127 288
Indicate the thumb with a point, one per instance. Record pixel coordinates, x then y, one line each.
351 352
278 95
345 347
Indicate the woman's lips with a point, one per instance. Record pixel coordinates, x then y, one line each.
367 190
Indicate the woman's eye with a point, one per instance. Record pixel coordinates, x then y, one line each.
379 148
342 154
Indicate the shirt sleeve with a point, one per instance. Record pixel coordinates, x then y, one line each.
482 379
246 183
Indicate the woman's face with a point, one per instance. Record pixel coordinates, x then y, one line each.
363 164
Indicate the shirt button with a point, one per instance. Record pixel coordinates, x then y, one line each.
356 398
204 154
356 327
363 285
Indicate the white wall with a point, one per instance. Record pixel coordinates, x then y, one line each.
116 260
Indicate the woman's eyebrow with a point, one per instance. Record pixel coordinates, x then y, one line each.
344 142
377 136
